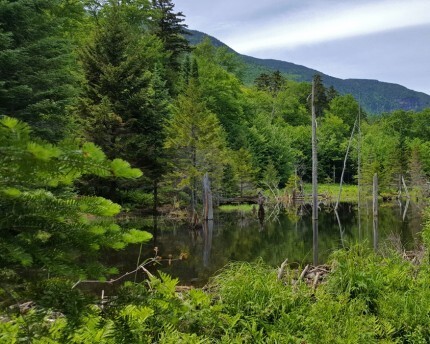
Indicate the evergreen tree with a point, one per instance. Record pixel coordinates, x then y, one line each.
170 29
272 83
46 228
125 103
331 93
380 155
270 177
244 169
197 143
37 66
321 101
229 182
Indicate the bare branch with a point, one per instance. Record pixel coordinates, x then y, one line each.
113 280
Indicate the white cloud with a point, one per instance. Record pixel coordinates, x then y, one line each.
321 22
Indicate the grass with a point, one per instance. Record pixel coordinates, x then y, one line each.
349 192
238 207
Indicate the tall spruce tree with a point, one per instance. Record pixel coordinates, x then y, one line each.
321 101
125 105
37 65
169 27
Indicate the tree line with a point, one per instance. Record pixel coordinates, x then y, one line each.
105 104
122 74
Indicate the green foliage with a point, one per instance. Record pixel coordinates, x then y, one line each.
346 108
272 83
126 102
38 69
45 224
221 91
176 115
170 29
249 288
196 141
349 192
379 155
333 136
365 299
375 96
270 141
244 170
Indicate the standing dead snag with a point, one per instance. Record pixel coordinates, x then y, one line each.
375 211
208 212
314 179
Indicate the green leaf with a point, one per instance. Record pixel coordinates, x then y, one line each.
135 236
137 313
121 168
11 192
44 152
99 206
90 150
9 122
98 230
118 245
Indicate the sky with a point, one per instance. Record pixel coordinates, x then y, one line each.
386 40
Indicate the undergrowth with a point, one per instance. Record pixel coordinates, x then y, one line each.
367 298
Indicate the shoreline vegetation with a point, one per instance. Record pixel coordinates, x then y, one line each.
358 297
327 193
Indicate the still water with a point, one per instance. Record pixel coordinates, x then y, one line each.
240 236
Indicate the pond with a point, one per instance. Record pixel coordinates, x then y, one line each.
240 236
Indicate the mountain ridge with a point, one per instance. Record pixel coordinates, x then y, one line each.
375 96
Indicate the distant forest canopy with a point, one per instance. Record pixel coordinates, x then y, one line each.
376 97
123 75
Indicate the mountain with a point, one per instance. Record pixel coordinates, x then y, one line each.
375 96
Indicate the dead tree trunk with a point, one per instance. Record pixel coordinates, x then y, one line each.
208 213
375 211
314 179
344 166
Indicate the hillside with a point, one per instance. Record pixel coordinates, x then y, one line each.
376 96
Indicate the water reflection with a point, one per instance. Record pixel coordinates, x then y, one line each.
240 236
207 235
315 242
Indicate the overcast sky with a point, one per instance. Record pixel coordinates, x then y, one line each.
387 40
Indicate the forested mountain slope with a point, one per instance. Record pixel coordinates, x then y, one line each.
376 96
